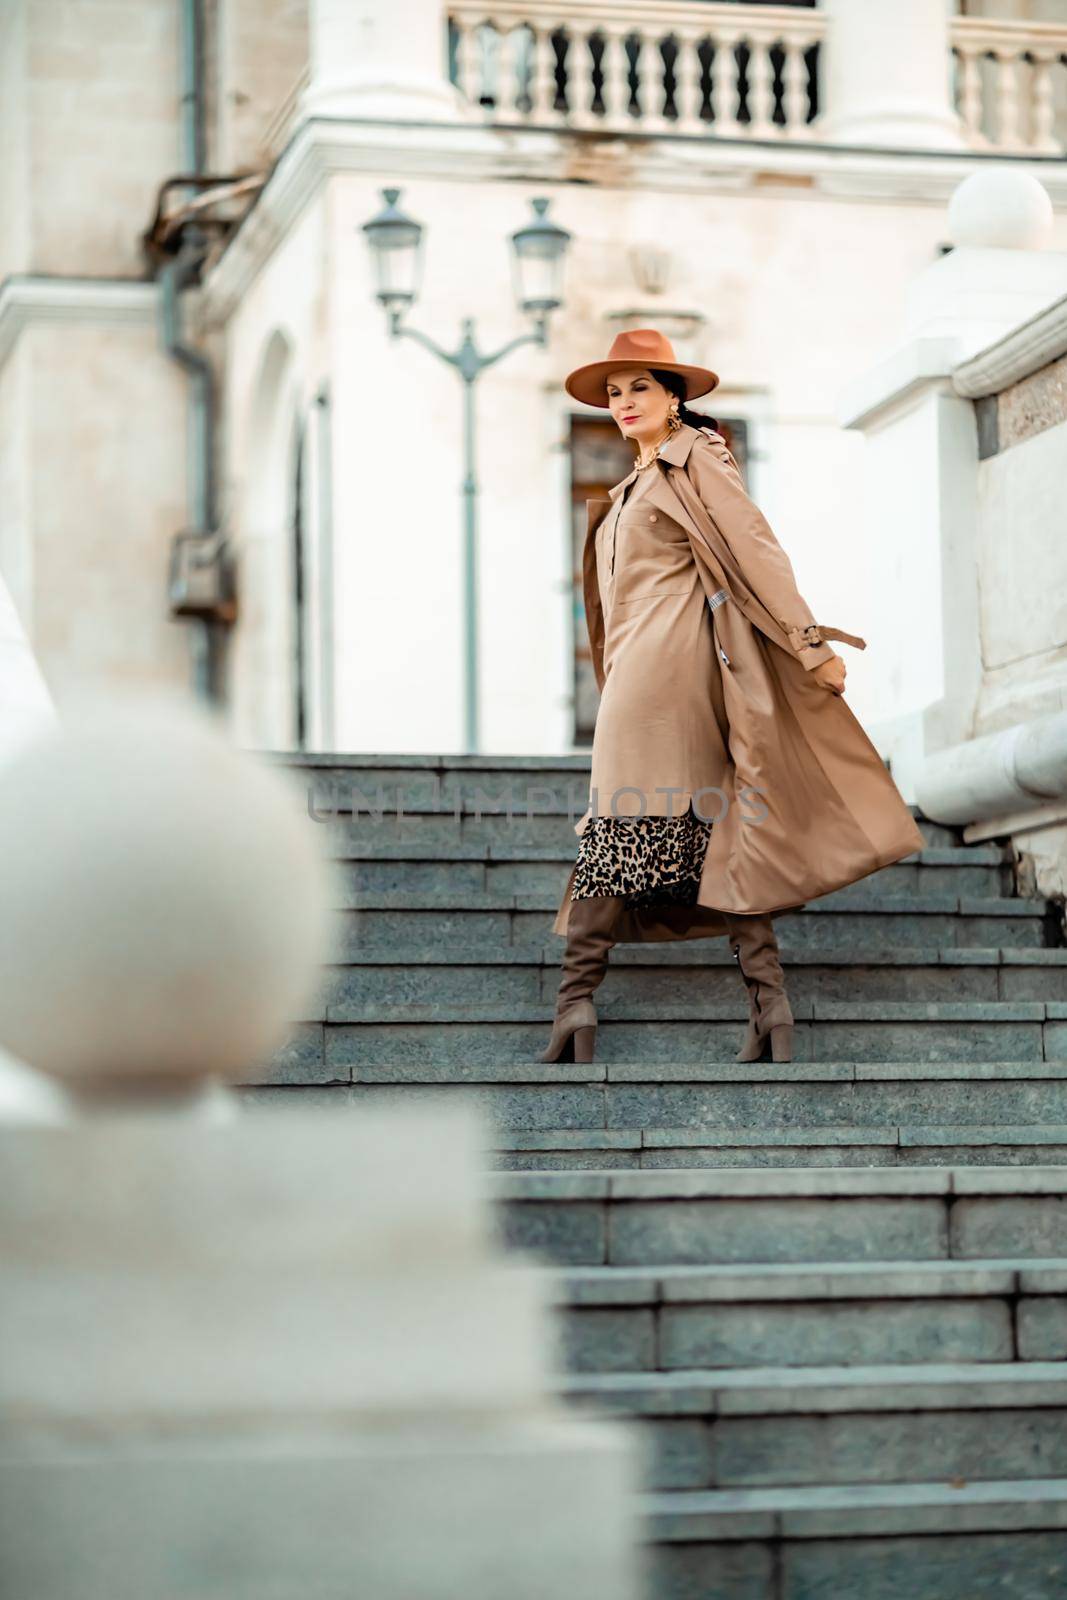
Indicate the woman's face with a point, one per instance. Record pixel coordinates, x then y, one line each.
639 403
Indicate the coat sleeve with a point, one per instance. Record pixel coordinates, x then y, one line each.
596 510
717 479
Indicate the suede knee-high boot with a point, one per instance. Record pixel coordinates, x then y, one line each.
755 948
590 929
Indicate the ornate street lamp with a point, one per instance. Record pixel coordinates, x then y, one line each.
538 252
396 250
537 255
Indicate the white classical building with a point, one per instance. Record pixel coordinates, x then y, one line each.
770 184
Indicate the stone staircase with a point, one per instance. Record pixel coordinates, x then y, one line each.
830 1294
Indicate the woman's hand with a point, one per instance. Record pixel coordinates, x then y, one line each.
831 674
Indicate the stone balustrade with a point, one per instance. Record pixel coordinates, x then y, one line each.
1011 84
731 71
685 67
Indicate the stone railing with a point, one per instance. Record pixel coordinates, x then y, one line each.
1011 84
732 71
683 66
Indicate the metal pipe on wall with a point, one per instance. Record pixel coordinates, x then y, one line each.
175 276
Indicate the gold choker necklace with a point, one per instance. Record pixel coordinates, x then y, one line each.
641 465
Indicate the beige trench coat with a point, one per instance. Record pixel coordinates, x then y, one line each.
808 805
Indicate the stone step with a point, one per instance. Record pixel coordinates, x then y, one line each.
694 1217
936 869
419 911
907 1541
811 1313
450 974
527 785
334 781
530 1095
351 1033
534 856
571 1149
761 1427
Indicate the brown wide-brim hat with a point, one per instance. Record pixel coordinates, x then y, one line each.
638 347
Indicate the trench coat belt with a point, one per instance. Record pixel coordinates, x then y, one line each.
812 633
815 633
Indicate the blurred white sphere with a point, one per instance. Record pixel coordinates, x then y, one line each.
29 1097
166 898
1000 207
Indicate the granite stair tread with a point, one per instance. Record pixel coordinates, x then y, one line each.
732 1283
786 1391
855 1510
623 1009
700 953
518 1149
370 898
686 1183
385 838
564 1072
672 1138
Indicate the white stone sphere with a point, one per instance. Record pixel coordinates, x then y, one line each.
29 1097
1000 207
166 899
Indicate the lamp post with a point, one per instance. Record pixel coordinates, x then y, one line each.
537 256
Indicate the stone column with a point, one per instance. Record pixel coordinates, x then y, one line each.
380 58
886 75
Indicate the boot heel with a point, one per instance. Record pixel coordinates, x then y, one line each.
584 1040
782 1041
571 1031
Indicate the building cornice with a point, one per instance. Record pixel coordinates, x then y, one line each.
30 301
1030 346
465 152
910 371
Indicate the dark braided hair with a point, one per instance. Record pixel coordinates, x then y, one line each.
676 384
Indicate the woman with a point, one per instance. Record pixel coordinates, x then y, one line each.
730 781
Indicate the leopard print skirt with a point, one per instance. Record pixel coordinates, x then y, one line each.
648 860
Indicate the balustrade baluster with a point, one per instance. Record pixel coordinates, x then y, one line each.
970 96
580 79
650 92
687 95
795 88
468 59
1007 137
543 76
1042 136
614 66
506 79
760 89
724 86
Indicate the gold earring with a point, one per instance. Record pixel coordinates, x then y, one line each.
674 421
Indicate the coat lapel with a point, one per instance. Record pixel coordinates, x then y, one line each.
675 453
674 493
715 562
